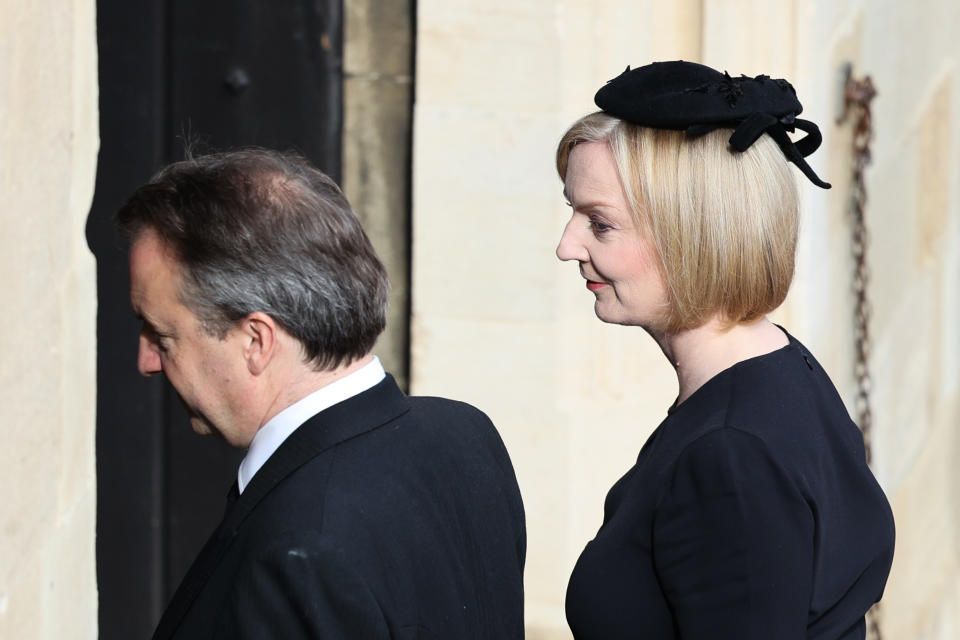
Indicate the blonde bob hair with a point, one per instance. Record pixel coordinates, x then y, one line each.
724 224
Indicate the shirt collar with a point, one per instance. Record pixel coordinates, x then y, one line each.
271 435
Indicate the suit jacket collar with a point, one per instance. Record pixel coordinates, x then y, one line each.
345 420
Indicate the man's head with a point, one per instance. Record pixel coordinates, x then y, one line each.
258 230
230 251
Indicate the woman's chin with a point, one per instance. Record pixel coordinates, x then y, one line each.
652 325
614 317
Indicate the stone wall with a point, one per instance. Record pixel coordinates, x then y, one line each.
48 150
377 91
497 321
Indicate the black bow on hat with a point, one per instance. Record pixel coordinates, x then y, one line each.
693 97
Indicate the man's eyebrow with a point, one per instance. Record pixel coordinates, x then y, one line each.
144 320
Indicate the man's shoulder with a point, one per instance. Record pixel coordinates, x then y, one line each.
446 408
453 424
437 446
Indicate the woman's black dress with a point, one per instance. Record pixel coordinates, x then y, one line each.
750 514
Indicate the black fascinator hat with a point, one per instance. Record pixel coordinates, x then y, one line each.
695 98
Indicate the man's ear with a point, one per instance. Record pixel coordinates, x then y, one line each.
260 334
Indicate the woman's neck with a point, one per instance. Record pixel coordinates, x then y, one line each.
699 354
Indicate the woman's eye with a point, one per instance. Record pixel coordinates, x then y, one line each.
599 227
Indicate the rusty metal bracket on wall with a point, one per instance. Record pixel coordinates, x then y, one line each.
853 100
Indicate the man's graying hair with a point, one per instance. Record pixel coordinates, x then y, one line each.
259 230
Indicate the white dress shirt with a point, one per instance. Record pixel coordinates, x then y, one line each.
279 427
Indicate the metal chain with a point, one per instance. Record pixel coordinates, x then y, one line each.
857 95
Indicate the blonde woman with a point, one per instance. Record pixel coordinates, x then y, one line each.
751 513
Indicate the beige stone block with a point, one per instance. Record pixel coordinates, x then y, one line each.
486 153
77 372
481 223
540 56
598 39
377 38
376 169
20 602
496 278
934 169
914 213
506 368
377 103
907 52
375 164
621 32
949 375
915 281
750 37
892 236
926 561
902 378
71 590
48 146
546 622
486 55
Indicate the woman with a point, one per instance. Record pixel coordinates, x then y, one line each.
751 512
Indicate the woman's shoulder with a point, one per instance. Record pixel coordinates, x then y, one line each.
782 403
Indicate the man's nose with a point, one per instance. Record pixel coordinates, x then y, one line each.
148 359
570 247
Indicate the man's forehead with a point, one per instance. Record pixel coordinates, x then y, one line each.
154 273
152 256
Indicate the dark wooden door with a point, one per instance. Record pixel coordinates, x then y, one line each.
222 74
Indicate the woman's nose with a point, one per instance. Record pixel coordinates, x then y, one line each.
570 247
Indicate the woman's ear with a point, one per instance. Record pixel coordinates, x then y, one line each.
260 333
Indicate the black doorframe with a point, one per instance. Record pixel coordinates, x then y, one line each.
225 73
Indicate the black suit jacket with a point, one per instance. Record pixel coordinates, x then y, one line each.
384 516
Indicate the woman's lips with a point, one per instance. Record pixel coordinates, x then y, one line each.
593 285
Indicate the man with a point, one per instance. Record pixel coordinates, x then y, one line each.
357 512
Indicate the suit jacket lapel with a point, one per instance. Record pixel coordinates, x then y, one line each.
348 419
